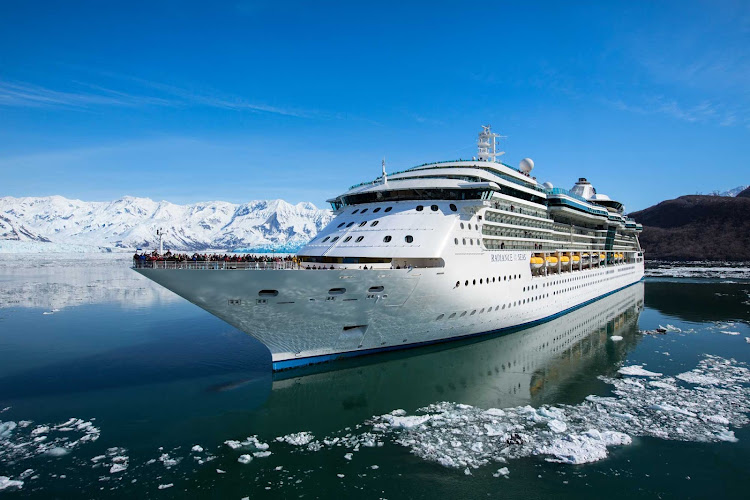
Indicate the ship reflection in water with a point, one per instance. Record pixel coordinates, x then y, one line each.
545 363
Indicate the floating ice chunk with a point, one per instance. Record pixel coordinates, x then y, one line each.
57 451
637 371
6 482
233 444
45 313
747 339
405 422
496 412
6 428
298 438
374 467
168 461
220 471
717 419
590 446
670 328
42 429
245 459
504 472
251 442
348 456
557 426
662 385
118 467
262 454
197 448
340 475
693 377
672 408
165 486
727 332
726 435
615 338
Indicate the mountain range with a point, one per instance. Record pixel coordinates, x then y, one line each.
129 223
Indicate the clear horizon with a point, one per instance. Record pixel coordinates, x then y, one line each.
254 100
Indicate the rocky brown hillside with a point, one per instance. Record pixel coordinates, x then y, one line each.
697 228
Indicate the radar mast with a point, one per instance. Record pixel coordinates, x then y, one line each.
487 144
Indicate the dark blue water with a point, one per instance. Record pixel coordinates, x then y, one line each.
150 376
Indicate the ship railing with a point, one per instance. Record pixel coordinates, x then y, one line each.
213 265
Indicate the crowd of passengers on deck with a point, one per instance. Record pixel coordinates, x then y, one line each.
205 257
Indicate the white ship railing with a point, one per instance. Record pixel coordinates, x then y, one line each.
213 265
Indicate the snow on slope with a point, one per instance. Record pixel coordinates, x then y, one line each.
131 222
731 192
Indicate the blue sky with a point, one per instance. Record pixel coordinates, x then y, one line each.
196 101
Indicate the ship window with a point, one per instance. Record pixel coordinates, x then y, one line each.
388 209
441 317
363 210
455 240
347 239
350 224
334 239
434 208
336 291
359 239
453 207
464 241
420 208
375 289
462 225
408 238
473 312
376 210
481 281
362 223
473 282
268 293
326 239
467 283
386 239
452 316
340 225
357 210
471 241
374 223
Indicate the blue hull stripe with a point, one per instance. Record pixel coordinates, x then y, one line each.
299 362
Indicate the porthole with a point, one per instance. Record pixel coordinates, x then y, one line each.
350 224
420 208
481 281
452 316
408 238
362 223
473 282
363 211
359 239
268 293
434 208
453 207
334 239
462 225
342 224
374 223
376 210
471 241
336 291
464 241
441 317
326 239
386 239
455 240
467 283
375 289
347 239
357 210
388 209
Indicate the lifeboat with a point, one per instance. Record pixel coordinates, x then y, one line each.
536 262
602 256
551 261
576 259
565 261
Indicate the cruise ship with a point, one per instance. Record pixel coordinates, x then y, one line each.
437 252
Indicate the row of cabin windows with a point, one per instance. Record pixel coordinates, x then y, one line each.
361 224
497 308
471 241
482 281
434 208
408 238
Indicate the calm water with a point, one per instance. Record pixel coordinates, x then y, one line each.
161 386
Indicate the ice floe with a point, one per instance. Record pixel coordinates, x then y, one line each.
700 405
637 371
6 482
22 440
245 459
296 439
615 338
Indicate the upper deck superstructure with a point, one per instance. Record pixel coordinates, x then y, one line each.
439 251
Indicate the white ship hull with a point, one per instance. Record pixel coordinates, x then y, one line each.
305 323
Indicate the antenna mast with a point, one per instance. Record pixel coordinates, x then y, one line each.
385 176
487 144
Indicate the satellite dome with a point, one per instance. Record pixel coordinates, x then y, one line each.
548 185
526 165
602 197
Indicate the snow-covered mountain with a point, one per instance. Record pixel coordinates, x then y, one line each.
130 223
731 192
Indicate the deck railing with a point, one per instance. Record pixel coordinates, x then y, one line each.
213 265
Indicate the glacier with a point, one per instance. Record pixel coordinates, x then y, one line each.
55 224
